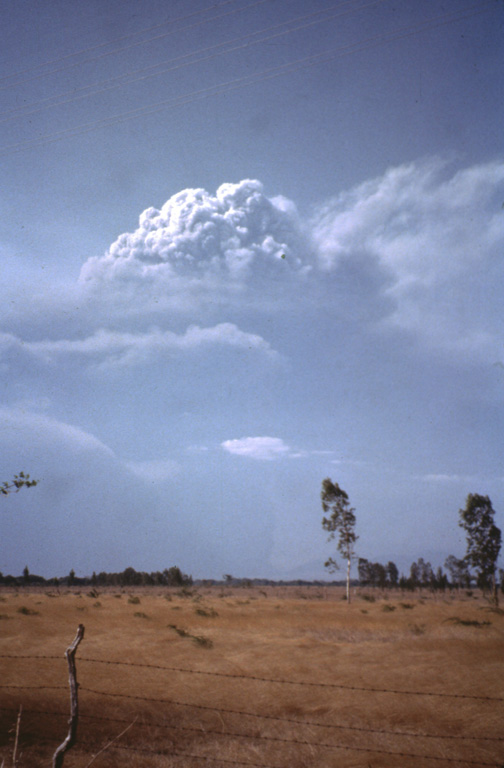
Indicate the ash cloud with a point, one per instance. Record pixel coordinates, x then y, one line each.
199 239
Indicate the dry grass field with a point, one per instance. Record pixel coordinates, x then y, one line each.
281 677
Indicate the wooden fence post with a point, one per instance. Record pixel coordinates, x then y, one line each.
59 755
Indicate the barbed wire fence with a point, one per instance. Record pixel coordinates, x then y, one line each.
168 707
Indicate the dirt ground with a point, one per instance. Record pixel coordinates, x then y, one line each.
277 677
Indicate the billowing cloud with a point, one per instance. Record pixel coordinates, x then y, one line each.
401 251
199 240
112 348
433 242
261 448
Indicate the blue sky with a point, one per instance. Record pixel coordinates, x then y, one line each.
246 246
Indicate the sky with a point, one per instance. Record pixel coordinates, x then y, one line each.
246 246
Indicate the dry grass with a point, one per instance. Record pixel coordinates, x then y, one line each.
437 644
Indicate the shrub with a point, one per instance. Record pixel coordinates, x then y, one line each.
388 608
27 611
140 615
368 598
134 600
469 622
407 606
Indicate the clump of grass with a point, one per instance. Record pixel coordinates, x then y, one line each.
97 604
3 599
140 615
387 608
168 598
201 640
27 611
187 592
94 593
469 622
205 642
364 610
407 606
210 613
369 598
118 596
3 616
134 600
81 608
417 629
179 630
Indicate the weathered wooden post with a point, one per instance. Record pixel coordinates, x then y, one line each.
59 755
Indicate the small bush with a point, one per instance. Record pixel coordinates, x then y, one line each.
368 598
469 622
210 613
417 629
94 593
134 600
407 606
205 642
140 615
97 604
3 616
28 611
388 608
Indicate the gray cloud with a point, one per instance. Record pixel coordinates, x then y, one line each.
112 348
432 240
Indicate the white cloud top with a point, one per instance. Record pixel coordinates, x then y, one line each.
199 237
261 448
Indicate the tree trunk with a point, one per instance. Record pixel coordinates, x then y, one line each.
348 580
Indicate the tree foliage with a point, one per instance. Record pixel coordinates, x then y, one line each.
459 571
341 521
15 485
376 574
483 538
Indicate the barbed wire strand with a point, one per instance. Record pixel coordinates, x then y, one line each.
297 742
290 721
278 681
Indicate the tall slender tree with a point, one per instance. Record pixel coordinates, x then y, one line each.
341 521
483 539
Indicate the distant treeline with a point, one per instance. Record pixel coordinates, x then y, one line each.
421 576
170 577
